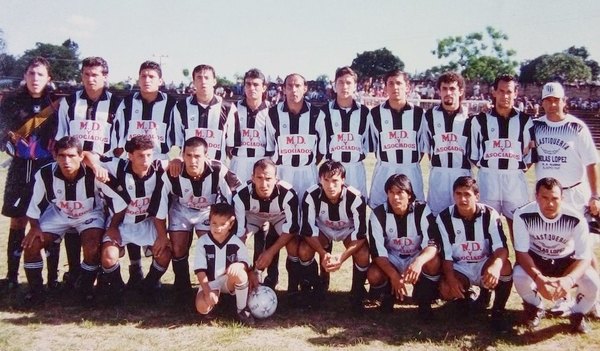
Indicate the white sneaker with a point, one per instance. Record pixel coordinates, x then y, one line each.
562 307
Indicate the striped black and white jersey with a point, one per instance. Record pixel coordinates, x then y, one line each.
199 194
347 132
295 140
470 240
210 122
214 258
247 134
139 117
144 196
563 149
283 200
397 135
501 143
563 236
88 121
347 218
73 198
447 138
401 236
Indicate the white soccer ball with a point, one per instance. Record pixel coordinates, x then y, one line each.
262 302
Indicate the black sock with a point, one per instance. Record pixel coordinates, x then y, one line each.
154 274
292 265
52 258
73 249
13 252
426 289
134 251
88 276
33 271
359 276
502 293
181 268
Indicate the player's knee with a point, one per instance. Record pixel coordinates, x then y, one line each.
109 256
375 275
433 266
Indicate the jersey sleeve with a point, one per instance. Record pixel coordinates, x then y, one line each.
474 155
309 217
63 120
177 123
240 214
446 246
429 229
116 202
200 261
270 131
118 134
34 210
587 151
496 231
291 210
521 237
376 233
359 216
582 241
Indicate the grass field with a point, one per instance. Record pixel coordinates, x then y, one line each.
63 325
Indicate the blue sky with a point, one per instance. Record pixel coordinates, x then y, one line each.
280 37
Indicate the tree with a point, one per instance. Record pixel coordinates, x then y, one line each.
559 66
584 54
64 59
478 55
376 63
323 78
7 62
224 82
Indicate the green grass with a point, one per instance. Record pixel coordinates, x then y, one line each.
62 325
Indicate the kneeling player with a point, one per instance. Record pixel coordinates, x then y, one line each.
139 181
475 251
553 250
404 245
221 264
331 211
73 197
263 205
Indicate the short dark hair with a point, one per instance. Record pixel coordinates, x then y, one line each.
294 74
39 61
255 73
225 210
402 182
95 61
195 141
204 67
342 71
505 78
450 77
139 142
263 164
547 183
151 65
331 168
466 182
68 142
396 73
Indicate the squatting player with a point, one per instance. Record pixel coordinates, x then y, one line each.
475 251
268 201
397 129
332 211
404 244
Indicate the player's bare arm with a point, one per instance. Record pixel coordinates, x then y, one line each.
265 259
594 202
491 273
112 231
411 275
35 233
162 245
456 288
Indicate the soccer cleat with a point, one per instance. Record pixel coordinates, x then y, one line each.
561 308
578 323
136 275
245 317
387 304
33 299
424 312
533 316
499 322
8 284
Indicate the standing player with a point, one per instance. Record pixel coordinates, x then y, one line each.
397 129
404 247
247 135
139 181
204 114
88 115
221 264
346 125
267 201
193 192
553 254
147 112
475 251
448 129
331 211
295 134
66 196
500 145
30 146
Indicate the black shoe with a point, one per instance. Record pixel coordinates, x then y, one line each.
136 275
33 300
270 282
387 304
245 317
9 284
71 280
578 323
482 302
533 316
53 287
499 322
424 312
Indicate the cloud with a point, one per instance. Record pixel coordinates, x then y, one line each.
78 27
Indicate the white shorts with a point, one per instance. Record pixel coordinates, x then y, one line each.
441 179
400 263
301 178
471 270
186 219
142 233
504 190
384 170
242 167
578 196
356 176
53 221
255 222
219 284
336 235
